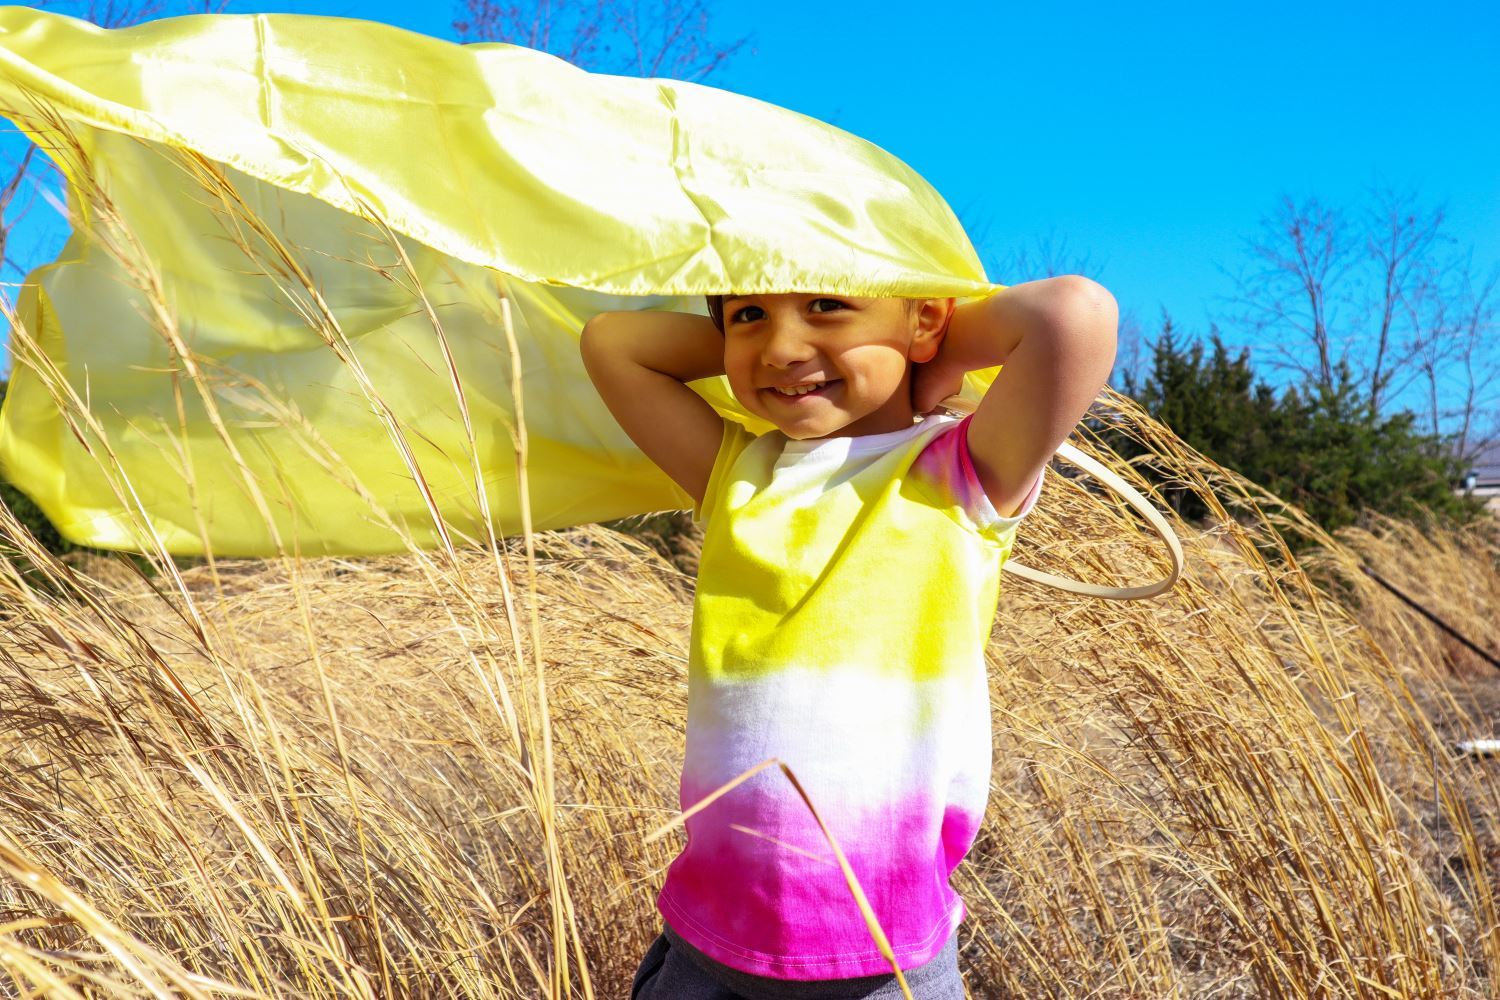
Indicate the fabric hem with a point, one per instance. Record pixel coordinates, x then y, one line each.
756 963
991 520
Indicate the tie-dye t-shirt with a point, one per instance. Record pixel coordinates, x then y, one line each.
846 590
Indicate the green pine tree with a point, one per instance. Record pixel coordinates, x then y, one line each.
1325 450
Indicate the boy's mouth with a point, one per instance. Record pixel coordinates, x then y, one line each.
801 391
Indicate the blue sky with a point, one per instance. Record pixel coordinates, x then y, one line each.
1150 139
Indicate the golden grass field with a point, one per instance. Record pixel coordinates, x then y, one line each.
434 775
437 775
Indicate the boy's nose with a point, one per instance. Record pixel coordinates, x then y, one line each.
785 347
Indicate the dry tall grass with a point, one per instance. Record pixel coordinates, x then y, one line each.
434 775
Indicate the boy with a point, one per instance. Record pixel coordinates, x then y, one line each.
847 586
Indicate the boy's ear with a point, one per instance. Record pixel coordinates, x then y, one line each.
932 317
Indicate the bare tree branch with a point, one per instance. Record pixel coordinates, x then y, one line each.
1304 253
1400 242
1477 356
1046 258
117 13
1131 359
20 165
1426 306
8 219
671 39
1421 321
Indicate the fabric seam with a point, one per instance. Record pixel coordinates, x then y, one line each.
833 959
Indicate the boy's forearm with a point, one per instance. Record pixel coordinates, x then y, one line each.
985 333
683 345
1056 339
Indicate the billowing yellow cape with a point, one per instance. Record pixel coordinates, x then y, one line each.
279 324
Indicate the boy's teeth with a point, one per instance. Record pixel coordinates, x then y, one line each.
801 390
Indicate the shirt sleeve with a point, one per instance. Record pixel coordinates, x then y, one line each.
733 441
947 468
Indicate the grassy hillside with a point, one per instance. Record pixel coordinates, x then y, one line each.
436 775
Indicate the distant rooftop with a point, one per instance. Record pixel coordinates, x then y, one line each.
1486 470
1486 466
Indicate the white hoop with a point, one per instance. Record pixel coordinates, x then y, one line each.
1068 453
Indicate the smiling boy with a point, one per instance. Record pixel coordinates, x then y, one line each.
847 585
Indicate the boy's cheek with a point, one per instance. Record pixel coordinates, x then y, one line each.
740 385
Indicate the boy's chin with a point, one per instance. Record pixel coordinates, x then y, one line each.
800 427
808 430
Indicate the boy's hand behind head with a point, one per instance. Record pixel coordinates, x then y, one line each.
1056 339
935 380
640 362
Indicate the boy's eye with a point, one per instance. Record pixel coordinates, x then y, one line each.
749 314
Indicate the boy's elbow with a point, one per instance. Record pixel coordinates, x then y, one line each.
1080 303
1084 313
592 326
593 338
1082 321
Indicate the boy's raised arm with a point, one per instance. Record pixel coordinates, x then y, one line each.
640 362
1056 338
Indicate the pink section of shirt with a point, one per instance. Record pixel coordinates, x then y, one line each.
948 463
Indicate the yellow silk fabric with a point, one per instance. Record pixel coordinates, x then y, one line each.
231 305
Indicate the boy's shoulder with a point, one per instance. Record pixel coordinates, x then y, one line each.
931 456
944 468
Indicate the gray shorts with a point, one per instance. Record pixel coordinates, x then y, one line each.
675 970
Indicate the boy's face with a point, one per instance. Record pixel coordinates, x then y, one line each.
860 349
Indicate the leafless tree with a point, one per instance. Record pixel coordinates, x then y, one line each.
1458 359
1479 363
1400 243
1384 295
17 170
108 13
123 13
1132 356
568 30
670 38
1432 354
1301 259
1047 257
